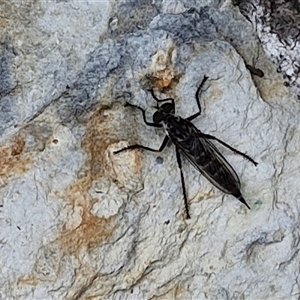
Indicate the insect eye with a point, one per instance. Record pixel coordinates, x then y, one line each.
167 107
157 117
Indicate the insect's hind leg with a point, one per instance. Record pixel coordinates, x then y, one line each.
194 116
161 148
182 183
211 137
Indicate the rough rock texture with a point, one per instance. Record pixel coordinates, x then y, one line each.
277 23
78 222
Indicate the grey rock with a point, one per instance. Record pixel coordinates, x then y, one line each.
78 221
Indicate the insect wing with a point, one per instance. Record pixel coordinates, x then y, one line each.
206 158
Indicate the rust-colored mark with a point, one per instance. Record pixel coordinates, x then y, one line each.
87 231
100 142
12 158
28 280
88 235
18 144
100 134
163 79
162 71
84 231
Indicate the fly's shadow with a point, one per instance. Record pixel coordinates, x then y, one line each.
195 145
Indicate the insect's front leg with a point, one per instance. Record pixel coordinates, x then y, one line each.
161 148
144 115
194 116
211 137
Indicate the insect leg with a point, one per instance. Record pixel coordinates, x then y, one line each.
144 115
194 116
182 183
211 137
161 148
190 118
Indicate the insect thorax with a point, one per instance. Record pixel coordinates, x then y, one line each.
178 129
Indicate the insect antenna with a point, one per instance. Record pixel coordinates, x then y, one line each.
161 100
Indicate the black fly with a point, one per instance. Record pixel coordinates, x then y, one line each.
195 145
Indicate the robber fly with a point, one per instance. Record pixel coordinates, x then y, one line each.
195 145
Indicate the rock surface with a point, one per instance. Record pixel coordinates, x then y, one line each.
77 221
277 23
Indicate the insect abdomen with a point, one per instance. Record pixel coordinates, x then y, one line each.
203 155
220 175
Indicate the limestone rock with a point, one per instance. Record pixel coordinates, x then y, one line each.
77 221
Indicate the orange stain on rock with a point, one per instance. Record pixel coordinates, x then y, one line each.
86 231
99 136
18 144
92 230
28 280
162 70
88 235
12 158
163 79
99 141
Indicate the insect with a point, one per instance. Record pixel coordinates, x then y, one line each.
194 145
